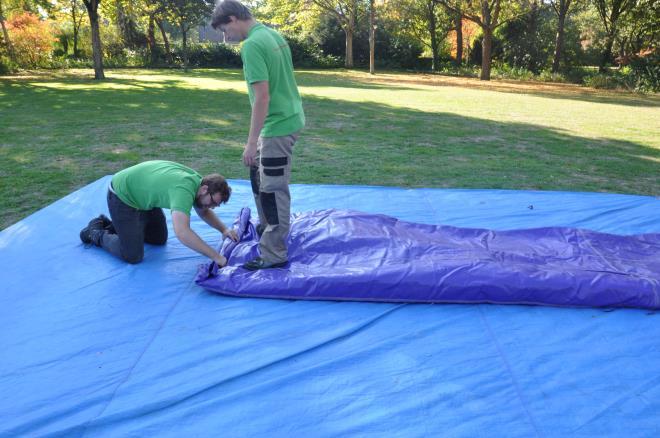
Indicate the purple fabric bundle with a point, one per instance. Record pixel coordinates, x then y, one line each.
349 255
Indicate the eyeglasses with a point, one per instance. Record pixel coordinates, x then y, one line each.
213 202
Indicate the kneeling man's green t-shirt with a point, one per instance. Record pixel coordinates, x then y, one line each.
157 184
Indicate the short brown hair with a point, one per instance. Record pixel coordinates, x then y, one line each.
217 184
228 8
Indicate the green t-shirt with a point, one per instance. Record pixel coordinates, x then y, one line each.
157 184
267 57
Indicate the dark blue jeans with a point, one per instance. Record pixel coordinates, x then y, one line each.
133 229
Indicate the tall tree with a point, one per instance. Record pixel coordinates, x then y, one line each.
154 12
424 21
639 31
561 8
372 36
457 17
186 14
166 41
611 12
431 16
126 17
71 11
75 12
488 14
527 41
291 16
458 28
347 13
5 34
97 53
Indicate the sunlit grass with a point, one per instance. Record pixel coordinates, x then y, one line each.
61 130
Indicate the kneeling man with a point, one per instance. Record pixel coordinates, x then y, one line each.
136 197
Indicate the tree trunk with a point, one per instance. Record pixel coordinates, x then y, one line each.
458 22
76 27
184 47
637 44
97 49
372 38
92 10
5 35
435 62
559 41
349 47
65 45
151 38
488 25
433 25
486 46
610 18
75 42
622 52
532 25
607 53
168 52
352 15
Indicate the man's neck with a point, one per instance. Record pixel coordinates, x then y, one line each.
249 24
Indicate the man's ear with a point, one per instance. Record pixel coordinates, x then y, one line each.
203 189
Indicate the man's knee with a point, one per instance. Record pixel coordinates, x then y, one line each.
133 255
133 259
157 238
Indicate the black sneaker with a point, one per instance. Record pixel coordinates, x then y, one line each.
94 230
105 220
107 224
259 263
91 236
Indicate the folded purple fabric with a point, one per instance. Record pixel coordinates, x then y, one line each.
349 255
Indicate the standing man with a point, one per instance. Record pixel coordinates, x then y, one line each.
136 197
277 117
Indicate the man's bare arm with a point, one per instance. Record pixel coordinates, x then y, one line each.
214 221
188 237
259 113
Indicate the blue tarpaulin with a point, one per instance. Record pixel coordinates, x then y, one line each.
91 346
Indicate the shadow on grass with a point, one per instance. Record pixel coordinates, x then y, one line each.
55 138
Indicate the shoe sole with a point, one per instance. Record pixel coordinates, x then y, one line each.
273 266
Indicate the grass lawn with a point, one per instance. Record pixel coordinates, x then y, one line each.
60 131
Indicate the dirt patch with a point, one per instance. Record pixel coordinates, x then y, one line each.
521 87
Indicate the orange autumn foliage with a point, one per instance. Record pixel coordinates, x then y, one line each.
31 38
470 32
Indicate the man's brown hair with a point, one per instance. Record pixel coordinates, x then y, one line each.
228 8
217 184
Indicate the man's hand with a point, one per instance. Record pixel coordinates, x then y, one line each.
231 234
220 260
249 154
181 225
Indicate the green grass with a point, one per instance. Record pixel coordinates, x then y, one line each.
60 131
